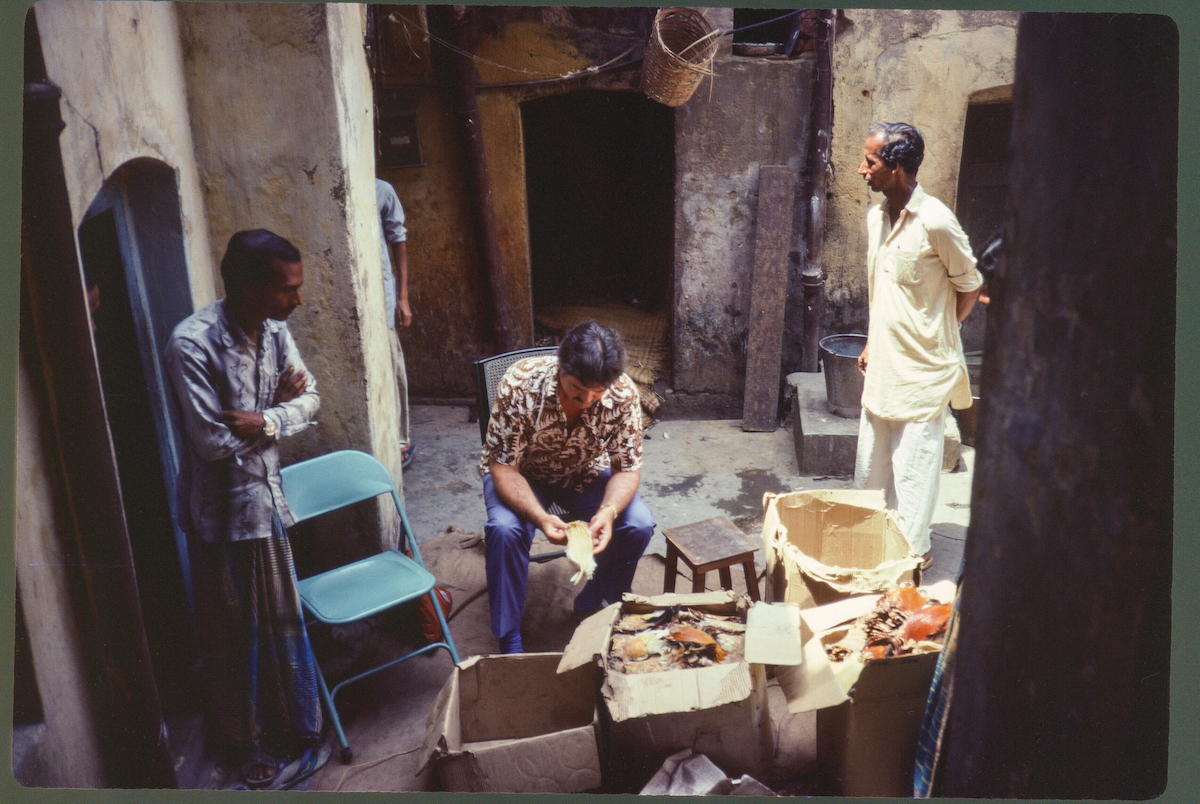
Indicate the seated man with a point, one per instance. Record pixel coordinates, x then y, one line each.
566 430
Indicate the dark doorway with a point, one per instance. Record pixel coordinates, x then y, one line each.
132 251
983 189
600 184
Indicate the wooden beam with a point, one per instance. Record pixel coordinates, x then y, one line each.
768 293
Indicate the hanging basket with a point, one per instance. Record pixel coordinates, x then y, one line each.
679 55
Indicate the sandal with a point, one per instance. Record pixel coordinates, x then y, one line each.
311 761
268 767
406 456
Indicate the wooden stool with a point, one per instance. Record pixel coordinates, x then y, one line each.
711 544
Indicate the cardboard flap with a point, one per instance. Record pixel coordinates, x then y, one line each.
824 618
717 597
560 762
812 684
634 696
442 733
590 639
773 634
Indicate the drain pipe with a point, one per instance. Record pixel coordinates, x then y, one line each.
812 277
489 237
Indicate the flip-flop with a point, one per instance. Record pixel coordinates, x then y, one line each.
291 770
406 456
261 761
317 757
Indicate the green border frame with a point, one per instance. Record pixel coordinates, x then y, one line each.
1184 768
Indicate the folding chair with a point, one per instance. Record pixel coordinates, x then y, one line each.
364 588
488 373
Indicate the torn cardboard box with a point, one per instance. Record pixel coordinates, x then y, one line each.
515 724
868 713
828 544
719 710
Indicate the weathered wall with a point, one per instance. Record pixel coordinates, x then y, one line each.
754 113
452 318
919 67
119 67
451 322
279 99
70 749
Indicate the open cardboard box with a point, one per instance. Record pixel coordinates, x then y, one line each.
515 724
824 545
868 714
720 711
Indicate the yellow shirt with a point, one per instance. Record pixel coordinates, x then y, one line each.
914 271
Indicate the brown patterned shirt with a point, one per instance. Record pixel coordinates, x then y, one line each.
528 428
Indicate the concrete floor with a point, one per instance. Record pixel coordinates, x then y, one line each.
693 470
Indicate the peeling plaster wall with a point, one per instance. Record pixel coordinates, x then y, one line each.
69 752
119 67
756 114
449 294
279 99
919 67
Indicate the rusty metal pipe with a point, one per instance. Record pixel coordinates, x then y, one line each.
812 277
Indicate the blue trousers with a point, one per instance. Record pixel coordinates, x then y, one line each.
507 538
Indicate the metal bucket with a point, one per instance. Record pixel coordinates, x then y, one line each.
843 381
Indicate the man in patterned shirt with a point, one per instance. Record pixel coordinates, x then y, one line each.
565 429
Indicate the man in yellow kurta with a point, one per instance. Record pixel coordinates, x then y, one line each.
921 282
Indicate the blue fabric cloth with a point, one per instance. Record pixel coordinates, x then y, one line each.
391 219
507 538
937 709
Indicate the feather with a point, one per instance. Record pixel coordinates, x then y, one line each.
579 550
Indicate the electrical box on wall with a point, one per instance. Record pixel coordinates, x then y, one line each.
398 144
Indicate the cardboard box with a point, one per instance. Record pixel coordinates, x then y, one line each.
868 714
821 546
720 711
867 744
515 724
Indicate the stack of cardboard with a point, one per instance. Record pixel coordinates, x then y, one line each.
720 711
833 553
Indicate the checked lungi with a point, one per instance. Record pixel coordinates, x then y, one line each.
259 674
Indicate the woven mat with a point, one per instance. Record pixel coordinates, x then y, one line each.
646 336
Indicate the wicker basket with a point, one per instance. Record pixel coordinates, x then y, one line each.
679 56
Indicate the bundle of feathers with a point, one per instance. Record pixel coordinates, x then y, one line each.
675 639
904 621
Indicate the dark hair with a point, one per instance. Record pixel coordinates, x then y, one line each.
248 257
592 353
990 255
902 144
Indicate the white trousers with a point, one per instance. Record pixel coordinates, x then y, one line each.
905 460
401 384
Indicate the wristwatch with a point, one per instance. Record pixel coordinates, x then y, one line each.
268 427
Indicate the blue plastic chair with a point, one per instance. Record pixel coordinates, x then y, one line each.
364 588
